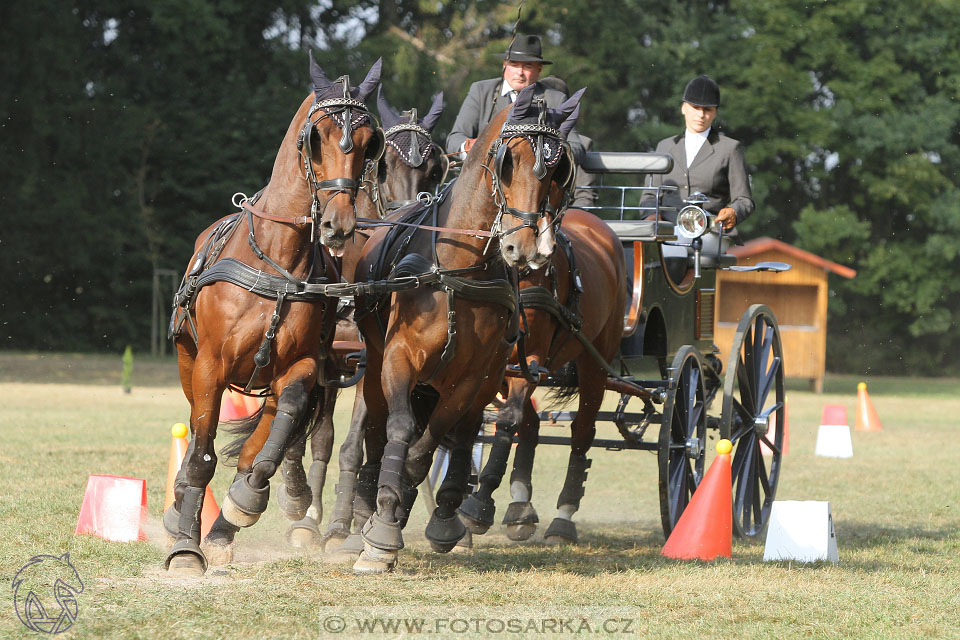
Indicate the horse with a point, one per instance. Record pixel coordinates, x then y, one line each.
573 313
225 325
436 349
412 165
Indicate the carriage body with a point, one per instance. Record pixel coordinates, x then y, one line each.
668 360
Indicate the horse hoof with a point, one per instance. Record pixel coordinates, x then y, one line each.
560 531
303 534
235 516
185 565
465 544
445 547
374 561
293 507
348 550
521 532
217 554
477 513
473 526
186 559
333 544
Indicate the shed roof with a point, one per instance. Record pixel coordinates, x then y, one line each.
759 245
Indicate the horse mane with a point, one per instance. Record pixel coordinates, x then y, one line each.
286 167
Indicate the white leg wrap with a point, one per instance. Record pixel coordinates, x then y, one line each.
518 492
566 512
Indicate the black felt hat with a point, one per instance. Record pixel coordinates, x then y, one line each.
702 92
524 48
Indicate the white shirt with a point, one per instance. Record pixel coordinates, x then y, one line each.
692 141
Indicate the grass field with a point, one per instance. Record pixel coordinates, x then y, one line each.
895 506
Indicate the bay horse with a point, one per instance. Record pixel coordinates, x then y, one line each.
412 166
436 352
574 313
253 310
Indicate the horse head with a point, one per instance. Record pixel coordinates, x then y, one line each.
339 138
412 162
531 157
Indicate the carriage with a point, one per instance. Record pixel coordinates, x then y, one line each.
669 373
437 377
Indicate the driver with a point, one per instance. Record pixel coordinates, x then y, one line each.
522 64
705 160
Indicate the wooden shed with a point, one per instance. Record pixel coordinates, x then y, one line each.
797 297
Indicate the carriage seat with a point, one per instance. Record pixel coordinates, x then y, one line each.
644 230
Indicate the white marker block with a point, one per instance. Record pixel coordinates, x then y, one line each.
833 441
801 531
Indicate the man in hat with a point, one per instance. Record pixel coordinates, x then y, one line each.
522 64
705 160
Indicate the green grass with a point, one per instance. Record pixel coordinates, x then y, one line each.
894 504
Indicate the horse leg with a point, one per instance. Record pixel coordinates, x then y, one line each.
185 557
218 543
479 508
186 359
583 429
521 518
247 497
306 509
446 529
381 534
350 459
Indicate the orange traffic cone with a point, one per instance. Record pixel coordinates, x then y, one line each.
237 406
867 418
772 432
178 449
705 528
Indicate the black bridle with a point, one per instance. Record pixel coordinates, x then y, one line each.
549 149
347 113
413 154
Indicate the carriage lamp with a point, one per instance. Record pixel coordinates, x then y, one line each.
692 222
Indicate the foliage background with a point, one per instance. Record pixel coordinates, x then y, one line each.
125 127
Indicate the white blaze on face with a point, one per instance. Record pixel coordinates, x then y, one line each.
546 243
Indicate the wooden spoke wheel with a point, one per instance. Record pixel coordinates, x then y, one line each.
682 444
752 402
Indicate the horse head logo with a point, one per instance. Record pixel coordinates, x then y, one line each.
45 593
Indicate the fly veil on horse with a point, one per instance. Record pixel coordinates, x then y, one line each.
254 311
412 166
448 337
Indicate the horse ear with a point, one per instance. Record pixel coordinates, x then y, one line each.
388 116
562 112
320 81
430 120
569 111
567 125
370 82
522 104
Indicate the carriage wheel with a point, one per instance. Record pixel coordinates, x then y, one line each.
752 395
683 433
